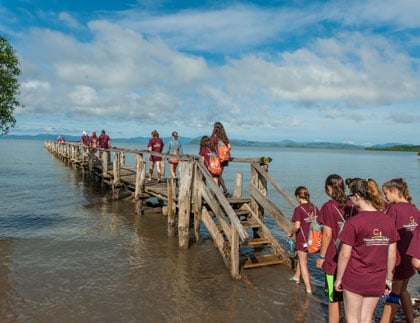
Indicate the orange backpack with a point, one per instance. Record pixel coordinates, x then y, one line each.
314 237
224 153
214 165
313 244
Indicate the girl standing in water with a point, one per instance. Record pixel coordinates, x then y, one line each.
332 216
406 218
302 217
367 254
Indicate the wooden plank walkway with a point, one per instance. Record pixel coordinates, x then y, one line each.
235 223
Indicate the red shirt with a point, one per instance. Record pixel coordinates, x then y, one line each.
328 216
156 144
369 233
414 247
104 141
305 220
406 218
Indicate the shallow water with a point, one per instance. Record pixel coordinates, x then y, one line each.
69 253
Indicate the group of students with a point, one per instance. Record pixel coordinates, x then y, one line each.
94 142
156 144
370 246
210 147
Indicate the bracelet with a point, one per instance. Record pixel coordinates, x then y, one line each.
388 282
321 257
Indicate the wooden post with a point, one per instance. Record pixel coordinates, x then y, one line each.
104 164
116 169
238 185
171 187
234 254
91 160
197 199
140 176
184 203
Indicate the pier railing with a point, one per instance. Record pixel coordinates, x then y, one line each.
235 223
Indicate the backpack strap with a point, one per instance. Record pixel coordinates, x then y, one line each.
339 213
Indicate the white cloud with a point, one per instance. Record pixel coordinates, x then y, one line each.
138 67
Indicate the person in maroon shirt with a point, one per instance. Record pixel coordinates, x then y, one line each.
302 217
155 144
406 218
104 143
414 249
367 254
206 150
331 215
219 138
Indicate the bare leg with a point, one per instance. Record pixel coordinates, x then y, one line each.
368 307
151 166
352 306
334 312
405 299
296 276
390 309
303 265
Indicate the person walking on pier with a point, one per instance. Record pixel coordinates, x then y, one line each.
93 143
207 152
221 143
104 143
174 148
155 144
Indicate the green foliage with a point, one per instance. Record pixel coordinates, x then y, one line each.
9 85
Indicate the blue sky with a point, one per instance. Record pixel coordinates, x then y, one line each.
338 71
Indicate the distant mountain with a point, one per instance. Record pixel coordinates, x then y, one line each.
237 142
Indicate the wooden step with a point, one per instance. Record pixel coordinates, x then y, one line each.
259 261
247 224
257 241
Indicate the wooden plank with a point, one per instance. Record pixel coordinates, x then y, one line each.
257 241
264 260
216 235
275 185
270 208
224 203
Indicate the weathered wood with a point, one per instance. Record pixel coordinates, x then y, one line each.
267 237
217 237
238 185
265 174
171 186
184 203
234 254
105 164
264 260
197 201
270 208
224 203
140 176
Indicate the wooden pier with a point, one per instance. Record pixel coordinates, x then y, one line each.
236 224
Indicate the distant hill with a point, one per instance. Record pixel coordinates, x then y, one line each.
395 147
237 142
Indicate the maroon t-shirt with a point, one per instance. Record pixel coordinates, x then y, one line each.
156 144
328 216
406 218
414 247
369 234
103 141
304 213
